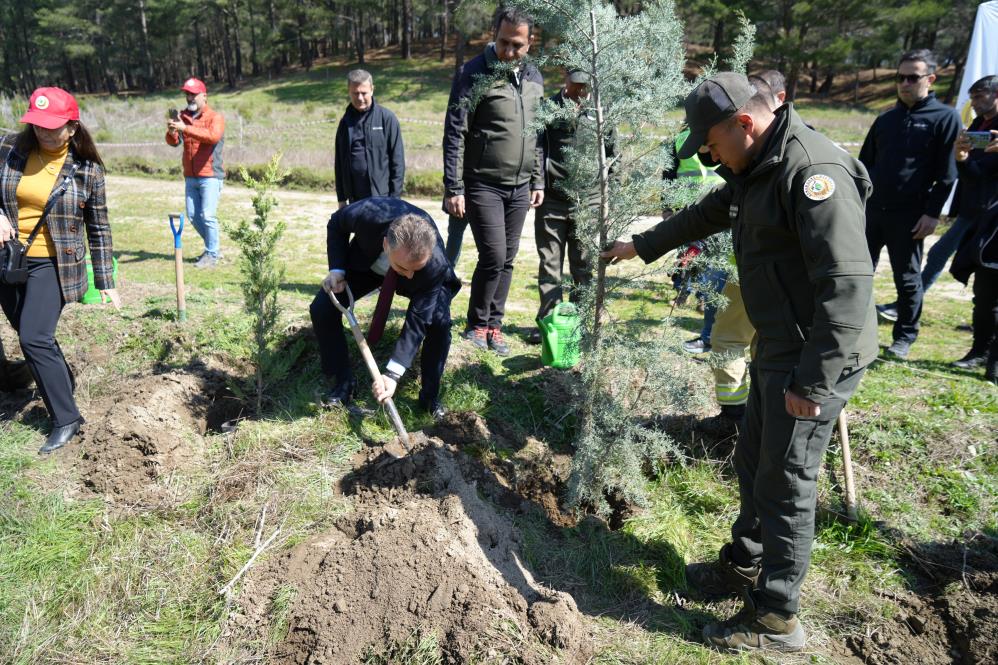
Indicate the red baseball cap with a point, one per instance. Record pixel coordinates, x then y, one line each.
194 86
51 108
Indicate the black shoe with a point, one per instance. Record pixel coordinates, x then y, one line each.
888 312
899 349
991 373
477 336
697 345
721 578
436 410
497 342
340 395
972 360
534 336
60 436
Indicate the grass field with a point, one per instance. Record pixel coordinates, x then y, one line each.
88 579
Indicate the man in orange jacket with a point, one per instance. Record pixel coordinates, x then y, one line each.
202 130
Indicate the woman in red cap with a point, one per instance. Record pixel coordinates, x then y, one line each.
51 191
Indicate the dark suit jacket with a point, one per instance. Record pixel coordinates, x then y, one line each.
354 241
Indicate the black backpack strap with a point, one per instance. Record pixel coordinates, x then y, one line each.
56 195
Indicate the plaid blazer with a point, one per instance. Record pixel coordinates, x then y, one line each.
82 207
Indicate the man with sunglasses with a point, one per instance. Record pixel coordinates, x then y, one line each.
909 154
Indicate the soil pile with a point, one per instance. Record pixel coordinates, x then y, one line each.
952 618
148 429
420 552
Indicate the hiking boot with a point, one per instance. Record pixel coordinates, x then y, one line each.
477 336
888 313
497 342
697 345
756 628
340 395
899 349
721 578
972 360
726 423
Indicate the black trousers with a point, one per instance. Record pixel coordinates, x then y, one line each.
33 309
777 459
327 321
986 313
893 229
495 215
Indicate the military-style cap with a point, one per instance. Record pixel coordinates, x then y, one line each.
578 76
714 100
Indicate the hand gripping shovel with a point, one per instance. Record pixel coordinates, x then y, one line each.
392 448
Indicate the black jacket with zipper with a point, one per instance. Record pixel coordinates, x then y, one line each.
384 150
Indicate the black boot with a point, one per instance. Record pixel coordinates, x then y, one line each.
340 395
15 375
60 436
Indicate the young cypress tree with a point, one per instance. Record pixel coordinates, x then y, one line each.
635 64
262 272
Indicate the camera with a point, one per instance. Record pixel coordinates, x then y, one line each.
174 114
978 140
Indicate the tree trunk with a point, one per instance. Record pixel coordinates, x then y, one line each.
199 50
459 46
236 42
358 38
150 81
406 29
254 57
718 34
444 28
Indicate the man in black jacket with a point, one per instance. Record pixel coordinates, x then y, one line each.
493 166
369 160
394 245
909 154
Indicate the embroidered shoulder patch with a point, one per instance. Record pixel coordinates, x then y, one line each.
819 187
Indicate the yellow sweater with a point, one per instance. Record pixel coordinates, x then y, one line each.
33 192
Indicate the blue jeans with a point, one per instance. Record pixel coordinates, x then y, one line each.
711 283
943 249
202 209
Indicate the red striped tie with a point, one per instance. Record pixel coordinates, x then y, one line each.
383 307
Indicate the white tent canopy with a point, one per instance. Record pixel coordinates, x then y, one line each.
982 57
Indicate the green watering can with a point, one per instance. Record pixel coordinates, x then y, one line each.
560 333
92 296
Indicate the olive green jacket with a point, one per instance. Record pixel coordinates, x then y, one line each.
797 217
492 143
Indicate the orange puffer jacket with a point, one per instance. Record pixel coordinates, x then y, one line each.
203 139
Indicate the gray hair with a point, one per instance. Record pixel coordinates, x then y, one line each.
413 233
358 76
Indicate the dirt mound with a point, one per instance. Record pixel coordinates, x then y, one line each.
150 428
421 551
952 618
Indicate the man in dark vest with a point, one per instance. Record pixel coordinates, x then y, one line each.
388 243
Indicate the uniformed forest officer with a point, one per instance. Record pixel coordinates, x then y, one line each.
795 205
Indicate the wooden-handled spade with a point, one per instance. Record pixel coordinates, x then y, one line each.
372 367
178 257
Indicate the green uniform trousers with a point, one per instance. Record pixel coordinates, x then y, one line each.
730 340
777 460
555 234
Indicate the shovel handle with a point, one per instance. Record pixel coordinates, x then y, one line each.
371 364
851 510
178 257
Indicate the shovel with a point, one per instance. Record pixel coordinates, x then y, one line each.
851 508
392 448
178 258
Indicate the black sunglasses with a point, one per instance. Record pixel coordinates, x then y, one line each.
910 78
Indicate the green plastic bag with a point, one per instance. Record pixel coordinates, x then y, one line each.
92 296
560 334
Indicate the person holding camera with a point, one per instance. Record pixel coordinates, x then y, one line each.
51 191
202 130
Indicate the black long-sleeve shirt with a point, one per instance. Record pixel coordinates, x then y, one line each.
909 154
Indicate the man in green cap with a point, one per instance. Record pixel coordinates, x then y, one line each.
795 205
554 224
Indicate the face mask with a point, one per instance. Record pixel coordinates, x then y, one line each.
192 107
